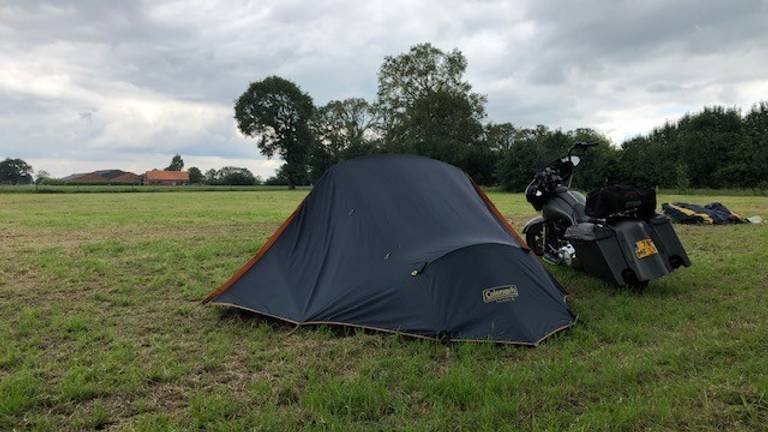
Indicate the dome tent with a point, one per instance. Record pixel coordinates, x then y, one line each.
406 244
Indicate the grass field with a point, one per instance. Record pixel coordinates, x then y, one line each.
101 328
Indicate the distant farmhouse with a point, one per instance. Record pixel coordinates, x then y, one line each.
169 178
112 176
116 176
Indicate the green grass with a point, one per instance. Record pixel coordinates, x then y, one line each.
102 328
73 188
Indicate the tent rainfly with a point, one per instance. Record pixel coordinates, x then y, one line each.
404 244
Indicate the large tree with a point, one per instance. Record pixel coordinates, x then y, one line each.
440 124
342 130
211 177
426 107
424 69
42 176
500 136
177 163
195 175
15 171
230 175
276 112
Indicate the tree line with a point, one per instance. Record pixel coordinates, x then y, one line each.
718 147
18 171
228 175
425 106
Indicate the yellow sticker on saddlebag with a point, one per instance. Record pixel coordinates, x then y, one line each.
645 248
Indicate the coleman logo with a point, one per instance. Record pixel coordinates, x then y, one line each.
503 293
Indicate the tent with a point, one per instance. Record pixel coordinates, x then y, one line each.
405 244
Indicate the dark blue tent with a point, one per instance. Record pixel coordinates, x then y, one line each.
405 244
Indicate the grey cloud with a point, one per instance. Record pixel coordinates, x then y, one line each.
94 80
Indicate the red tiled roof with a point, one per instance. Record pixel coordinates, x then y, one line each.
103 176
157 175
89 178
126 178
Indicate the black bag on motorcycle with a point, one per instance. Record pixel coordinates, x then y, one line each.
615 199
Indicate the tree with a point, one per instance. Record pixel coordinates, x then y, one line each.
342 130
424 69
708 140
15 171
177 164
529 151
211 177
683 181
500 136
442 125
427 108
276 112
598 165
230 175
195 175
279 179
42 176
532 149
713 148
518 165
755 154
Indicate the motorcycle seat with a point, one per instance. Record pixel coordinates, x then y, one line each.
616 200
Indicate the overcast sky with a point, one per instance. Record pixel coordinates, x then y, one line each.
126 84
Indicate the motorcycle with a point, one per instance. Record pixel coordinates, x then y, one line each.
614 233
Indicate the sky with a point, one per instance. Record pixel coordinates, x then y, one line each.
95 84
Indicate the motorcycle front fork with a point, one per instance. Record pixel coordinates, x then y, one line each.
550 254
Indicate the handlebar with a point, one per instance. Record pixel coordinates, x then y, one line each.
580 145
584 145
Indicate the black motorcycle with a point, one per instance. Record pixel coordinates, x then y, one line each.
614 233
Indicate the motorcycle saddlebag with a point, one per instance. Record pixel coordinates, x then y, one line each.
615 199
628 250
668 243
597 251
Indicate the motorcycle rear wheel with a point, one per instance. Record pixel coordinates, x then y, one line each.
632 283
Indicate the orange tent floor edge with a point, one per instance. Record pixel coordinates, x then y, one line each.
398 332
259 254
531 344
